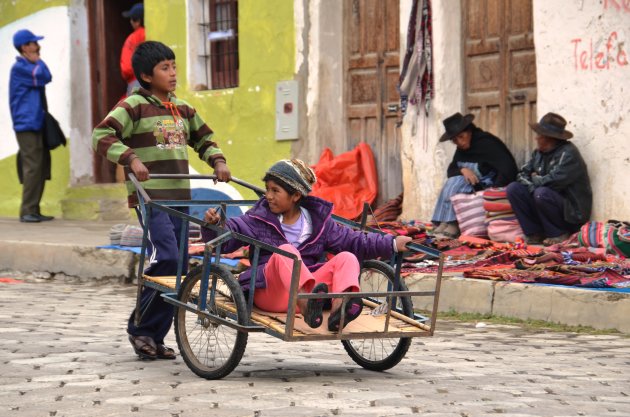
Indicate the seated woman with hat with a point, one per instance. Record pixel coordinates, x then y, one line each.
552 195
481 160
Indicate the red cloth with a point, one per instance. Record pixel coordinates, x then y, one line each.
132 41
347 180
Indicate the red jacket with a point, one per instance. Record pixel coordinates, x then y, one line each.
132 41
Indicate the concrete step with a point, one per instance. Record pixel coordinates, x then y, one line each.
572 306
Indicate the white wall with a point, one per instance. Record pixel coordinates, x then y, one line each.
53 24
424 159
583 70
81 160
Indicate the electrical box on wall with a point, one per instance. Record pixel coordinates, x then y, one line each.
286 110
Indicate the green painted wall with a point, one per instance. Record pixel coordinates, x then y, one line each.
54 190
242 118
12 10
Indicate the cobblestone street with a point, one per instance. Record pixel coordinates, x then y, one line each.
65 353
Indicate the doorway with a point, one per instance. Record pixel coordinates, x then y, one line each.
500 68
108 31
372 62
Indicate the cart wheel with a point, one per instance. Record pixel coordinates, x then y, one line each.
209 349
385 353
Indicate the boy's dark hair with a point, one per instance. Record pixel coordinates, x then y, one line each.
146 56
286 187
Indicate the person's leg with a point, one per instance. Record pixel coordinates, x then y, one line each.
443 212
157 314
278 270
522 202
550 207
341 273
31 147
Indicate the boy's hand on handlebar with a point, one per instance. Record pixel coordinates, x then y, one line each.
401 243
222 171
139 169
212 216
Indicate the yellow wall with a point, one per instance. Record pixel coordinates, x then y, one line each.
242 118
12 10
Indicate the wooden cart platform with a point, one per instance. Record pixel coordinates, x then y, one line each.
370 324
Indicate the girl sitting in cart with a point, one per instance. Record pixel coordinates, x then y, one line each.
288 218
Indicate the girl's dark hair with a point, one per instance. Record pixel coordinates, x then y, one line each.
146 56
290 190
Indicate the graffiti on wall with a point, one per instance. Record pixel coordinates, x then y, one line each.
604 52
618 5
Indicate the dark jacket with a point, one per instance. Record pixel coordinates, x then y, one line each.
490 153
564 171
328 236
26 86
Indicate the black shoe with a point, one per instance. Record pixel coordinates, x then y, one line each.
354 306
313 314
30 218
44 218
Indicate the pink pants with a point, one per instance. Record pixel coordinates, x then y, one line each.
341 274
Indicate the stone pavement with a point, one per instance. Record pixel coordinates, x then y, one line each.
65 353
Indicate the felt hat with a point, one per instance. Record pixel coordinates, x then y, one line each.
294 173
455 125
552 125
24 36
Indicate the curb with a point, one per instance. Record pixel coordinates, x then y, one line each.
602 310
79 263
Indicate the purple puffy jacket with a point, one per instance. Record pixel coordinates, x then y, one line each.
328 236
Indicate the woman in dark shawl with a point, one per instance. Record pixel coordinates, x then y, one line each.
481 160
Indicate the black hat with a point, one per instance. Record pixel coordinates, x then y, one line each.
136 12
552 125
455 125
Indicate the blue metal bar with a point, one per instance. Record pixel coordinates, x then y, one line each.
203 284
183 252
143 249
252 282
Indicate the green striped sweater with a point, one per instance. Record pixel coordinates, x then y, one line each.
142 126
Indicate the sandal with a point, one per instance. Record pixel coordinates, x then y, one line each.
165 352
144 346
314 306
354 306
555 240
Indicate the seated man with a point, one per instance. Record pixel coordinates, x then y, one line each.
552 196
480 161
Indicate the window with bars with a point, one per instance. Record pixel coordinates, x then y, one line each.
213 44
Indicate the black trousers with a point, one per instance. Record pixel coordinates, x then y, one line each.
34 173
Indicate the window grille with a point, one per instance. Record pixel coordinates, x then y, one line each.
220 43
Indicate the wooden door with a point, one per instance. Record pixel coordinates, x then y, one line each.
108 31
500 65
372 63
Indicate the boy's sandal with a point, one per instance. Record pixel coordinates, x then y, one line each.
144 346
314 306
165 352
354 306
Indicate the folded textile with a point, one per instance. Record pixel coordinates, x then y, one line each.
505 230
470 214
115 233
131 236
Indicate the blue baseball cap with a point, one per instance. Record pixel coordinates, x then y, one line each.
136 12
24 36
